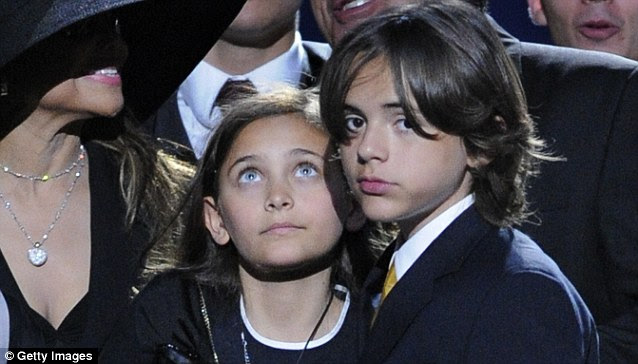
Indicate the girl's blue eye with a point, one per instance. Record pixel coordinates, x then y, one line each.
306 170
354 123
249 176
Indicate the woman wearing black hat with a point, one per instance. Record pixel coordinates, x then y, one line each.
81 191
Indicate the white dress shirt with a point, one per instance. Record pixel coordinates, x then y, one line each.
196 96
405 256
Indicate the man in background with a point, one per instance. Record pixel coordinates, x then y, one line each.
601 25
261 49
584 104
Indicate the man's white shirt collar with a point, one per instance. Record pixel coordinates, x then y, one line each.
197 94
412 249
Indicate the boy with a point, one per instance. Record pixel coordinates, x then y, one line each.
434 135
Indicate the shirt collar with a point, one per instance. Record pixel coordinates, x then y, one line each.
201 87
411 250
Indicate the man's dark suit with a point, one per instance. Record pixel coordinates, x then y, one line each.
480 294
167 123
586 108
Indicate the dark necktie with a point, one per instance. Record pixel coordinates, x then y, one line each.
233 90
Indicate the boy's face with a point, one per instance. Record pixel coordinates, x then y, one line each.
397 175
281 200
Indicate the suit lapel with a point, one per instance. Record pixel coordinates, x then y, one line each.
374 280
317 53
167 123
414 290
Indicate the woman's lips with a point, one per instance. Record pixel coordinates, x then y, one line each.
109 76
598 30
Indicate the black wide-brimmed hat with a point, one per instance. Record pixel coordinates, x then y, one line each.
166 38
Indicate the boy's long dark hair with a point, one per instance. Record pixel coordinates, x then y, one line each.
447 58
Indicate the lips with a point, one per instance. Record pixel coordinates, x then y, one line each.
282 228
598 30
108 75
349 10
374 186
354 4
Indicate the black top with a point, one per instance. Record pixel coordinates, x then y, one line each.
115 256
168 312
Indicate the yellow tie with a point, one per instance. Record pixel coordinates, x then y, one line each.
388 284
390 281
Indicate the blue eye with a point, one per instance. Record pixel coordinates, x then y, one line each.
306 170
249 176
354 123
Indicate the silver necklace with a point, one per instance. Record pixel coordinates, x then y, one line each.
312 334
37 255
46 177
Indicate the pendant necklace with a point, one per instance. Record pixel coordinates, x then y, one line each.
37 255
310 338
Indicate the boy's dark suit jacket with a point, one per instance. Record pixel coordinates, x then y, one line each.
480 294
586 108
167 123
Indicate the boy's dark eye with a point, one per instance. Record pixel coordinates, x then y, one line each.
354 123
404 124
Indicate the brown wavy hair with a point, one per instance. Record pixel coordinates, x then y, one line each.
446 59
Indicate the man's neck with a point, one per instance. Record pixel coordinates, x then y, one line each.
238 60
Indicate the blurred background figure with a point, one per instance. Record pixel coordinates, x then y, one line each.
262 47
601 25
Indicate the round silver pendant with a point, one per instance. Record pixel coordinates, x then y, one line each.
37 256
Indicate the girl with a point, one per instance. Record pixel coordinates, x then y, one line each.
269 277
434 135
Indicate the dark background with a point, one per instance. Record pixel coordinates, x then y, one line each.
510 14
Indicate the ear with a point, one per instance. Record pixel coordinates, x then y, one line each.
356 218
214 222
536 13
477 161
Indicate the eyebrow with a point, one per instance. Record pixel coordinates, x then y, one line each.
241 160
302 151
295 151
391 105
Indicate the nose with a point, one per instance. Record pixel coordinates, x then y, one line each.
373 145
279 196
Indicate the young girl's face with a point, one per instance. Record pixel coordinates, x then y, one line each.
397 175
281 200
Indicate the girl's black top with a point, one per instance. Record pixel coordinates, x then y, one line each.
165 320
